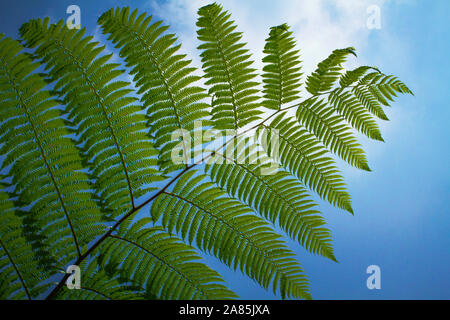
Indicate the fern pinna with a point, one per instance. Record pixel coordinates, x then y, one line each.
87 174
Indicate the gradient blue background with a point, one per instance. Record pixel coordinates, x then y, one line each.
402 216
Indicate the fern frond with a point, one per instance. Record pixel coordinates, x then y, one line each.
161 264
373 90
110 126
370 102
274 194
390 82
22 276
328 72
355 95
303 155
162 75
42 160
227 66
363 94
201 213
384 87
281 74
352 76
331 129
350 108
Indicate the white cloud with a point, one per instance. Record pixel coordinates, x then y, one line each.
320 26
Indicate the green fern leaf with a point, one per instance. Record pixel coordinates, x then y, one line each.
111 127
274 194
383 87
352 76
350 108
281 74
228 69
201 213
331 129
162 264
328 72
162 75
22 276
369 101
303 155
42 160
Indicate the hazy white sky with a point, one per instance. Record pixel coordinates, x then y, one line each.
320 26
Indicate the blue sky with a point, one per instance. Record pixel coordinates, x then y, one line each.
402 215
